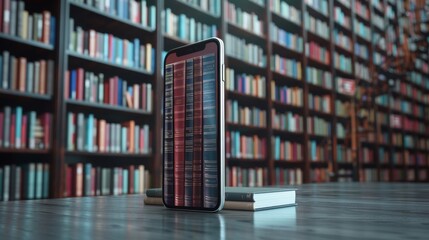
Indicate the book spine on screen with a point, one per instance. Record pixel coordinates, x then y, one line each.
246 177
285 10
253 85
243 19
243 115
186 28
210 156
248 52
287 67
89 180
284 150
287 95
241 146
319 103
189 132
286 176
197 178
19 74
179 132
287 121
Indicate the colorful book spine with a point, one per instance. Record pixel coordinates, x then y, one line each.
319 175
367 155
318 77
24 181
289 40
287 95
286 176
383 156
320 103
316 52
318 126
378 21
254 85
361 50
362 30
341 18
197 178
344 154
287 121
246 177
210 156
342 40
248 21
288 67
248 52
342 62
189 131
318 152
243 115
368 175
362 72
284 150
318 5
90 180
186 28
284 9
361 9
109 48
242 146
316 26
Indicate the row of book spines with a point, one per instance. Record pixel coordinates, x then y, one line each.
367 155
362 29
288 95
316 26
316 52
318 126
408 90
285 10
362 71
345 3
286 150
16 21
319 175
342 62
287 121
85 179
24 181
24 130
112 49
135 11
361 9
344 154
341 131
288 176
342 40
91 87
248 21
87 133
384 156
361 50
342 108
320 103
318 152
254 85
246 177
285 38
378 21
341 17
368 175
211 6
246 147
248 52
318 77
19 74
186 28
319 5
251 116
288 67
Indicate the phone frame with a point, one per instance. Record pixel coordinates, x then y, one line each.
220 81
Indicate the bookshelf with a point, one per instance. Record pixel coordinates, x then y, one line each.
302 53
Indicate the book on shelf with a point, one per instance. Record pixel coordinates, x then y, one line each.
284 38
319 175
287 95
211 6
318 77
318 152
24 181
378 21
242 198
316 26
242 146
112 49
19 74
343 62
248 52
248 21
346 86
284 9
284 150
91 87
342 108
246 177
318 126
361 50
368 175
288 176
318 5
362 30
367 155
383 156
341 18
342 40
361 9
287 67
341 131
316 52
23 129
362 71
244 115
138 12
287 121
18 21
253 85
344 154
319 103
186 28
87 179
86 133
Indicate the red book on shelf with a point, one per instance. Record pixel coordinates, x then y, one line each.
69 181
142 140
179 133
6 16
101 135
131 129
42 78
67 84
46 130
23 131
12 130
120 181
131 179
144 97
93 181
80 80
110 36
79 179
46 26
22 74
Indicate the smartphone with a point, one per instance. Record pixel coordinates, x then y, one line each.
194 127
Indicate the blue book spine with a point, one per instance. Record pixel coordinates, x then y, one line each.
125 181
121 8
120 56
130 56
182 26
73 84
106 47
277 147
18 127
90 133
136 52
31 181
136 181
46 181
87 181
126 9
120 92
153 60
52 31
152 17
113 7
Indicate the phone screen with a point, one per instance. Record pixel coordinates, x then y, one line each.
192 155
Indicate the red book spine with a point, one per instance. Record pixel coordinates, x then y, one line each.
131 179
67 85
110 48
22 73
6 16
46 26
46 130
23 131
12 130
69 181
80 80
79 179
179 133
111 90
197 200
144 96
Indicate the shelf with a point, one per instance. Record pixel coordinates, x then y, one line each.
24 151
325 115
319 164
318 64
30 43
246 162
344 29
313 88
24 95
192 10
343 73
244 97
343 50
106 107
362 19
289 163
344 7
288 24
171 42
319 39
83 59
239 64
369 165
345 165
286 51
362 40
261 131
83 10
246 34
280 77
319 137
288 107
317 14
284 134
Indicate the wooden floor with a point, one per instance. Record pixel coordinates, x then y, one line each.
324 211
